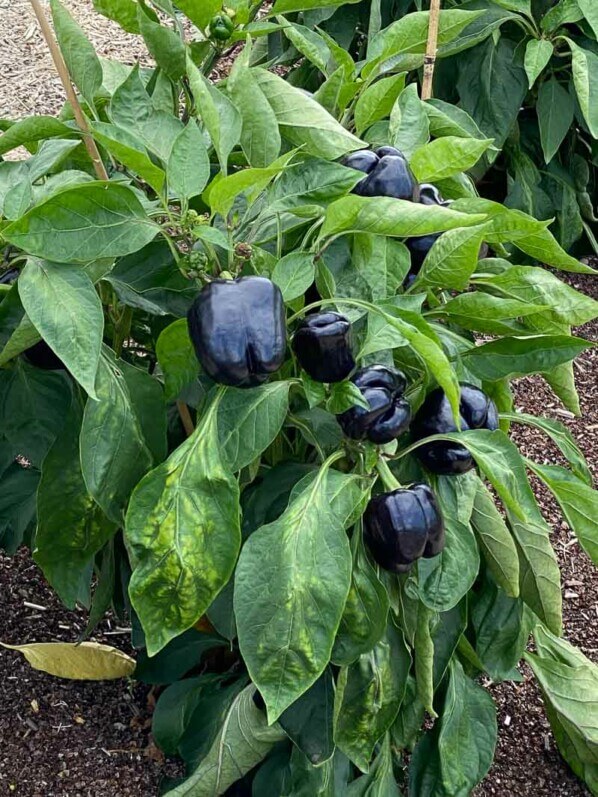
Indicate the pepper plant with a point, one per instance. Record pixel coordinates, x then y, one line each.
209 363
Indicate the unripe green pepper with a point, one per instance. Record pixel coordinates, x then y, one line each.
221 27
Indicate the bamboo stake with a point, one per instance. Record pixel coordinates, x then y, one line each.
65 79
185 418
431 49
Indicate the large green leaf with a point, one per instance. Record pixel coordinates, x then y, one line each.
578 502
83 223
380 780
366 610
369 693
122 11
17 501
467 735
303 121
569 684
291 585
555 110
375 102
177 359
249 420
308 721
33 128
396 217
130 151
220 117
244 740
164 44
79 53
496 543
33 407
184 534
500 461
517 356
501 632
447 156
71 527
188 166
65 308
114 454
446 578
585 76
453 258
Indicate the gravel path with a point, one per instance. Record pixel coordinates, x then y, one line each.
61 739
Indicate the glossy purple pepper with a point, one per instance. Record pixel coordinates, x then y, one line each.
389 413
477 411
322 343
238 330
402 526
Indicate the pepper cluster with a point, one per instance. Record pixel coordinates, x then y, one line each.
388 174
238 331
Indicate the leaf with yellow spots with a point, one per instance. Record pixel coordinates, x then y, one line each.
291 586
183 533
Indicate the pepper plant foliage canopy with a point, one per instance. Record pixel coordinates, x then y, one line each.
237 549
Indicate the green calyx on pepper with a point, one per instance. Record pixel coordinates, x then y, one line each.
221 27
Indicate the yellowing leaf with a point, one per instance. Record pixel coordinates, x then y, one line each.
89 661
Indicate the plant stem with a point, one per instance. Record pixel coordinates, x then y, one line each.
388 478
65 79
431 49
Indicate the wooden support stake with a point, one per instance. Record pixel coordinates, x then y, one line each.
186 418
65 79
431 48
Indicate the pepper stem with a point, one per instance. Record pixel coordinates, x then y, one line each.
387 476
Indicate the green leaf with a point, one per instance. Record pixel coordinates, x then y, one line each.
467 736
293 274
303 121
307 42
219 116
501 630
291 585
114 455
578 502
188 166
177 359
423 645
539 286
287 6
17 501
395 217
249 420
590 12
409 125
555 109
260 137
222 194
446 578
79 53
538 53
122 11
365 614
453 258
368 695
544 247
127 148
71 527
569 688
308 722
343 396
450 120
377 100
64 307
200 12
33 406
409 34
83 223
447 156
496 543
485 313
31 129
244 740
517 356
164 44
500 461
175 660
174 530
585 79
561 436
380 781
147 399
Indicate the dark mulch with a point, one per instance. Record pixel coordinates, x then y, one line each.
73 739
